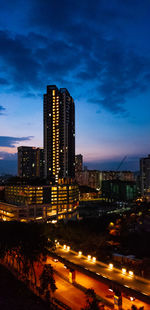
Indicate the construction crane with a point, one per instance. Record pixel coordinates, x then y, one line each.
121 163
118 175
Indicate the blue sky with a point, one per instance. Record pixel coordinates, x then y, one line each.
100 51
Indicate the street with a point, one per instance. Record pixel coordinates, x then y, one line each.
136 283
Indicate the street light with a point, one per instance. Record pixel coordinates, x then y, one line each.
94 259
89 257
64 247
111 266
124 271
68 248
79 253
131 273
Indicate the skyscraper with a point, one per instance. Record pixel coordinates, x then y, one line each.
59 133
145 175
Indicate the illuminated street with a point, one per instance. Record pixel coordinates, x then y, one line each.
65 292
100 288
102 269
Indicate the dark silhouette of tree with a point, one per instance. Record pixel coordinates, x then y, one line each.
47 281
23 244
133 307
92 302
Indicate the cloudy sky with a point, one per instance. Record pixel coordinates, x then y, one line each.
100 51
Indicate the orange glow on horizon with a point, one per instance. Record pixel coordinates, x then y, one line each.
10 150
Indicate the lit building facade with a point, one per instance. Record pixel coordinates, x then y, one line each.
145 176
46 202
30 162
59 134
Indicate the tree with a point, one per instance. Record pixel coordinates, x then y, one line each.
133 307
92 302
23 245
47 281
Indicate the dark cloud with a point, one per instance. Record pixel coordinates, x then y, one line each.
22 68
12 141
124 74
80 42
3 81
1 110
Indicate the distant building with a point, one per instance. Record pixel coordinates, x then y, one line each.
117 190
59 134
42 202
145 176
30 162
40 163
78 163
94 178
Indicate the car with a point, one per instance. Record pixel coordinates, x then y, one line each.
132 298
55 260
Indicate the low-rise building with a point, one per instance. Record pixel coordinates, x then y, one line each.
44 202
117 190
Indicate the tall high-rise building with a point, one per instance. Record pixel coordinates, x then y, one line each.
145 175
30 162
59 133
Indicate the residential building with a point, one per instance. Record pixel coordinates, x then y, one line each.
94 178
145 176
59 134
78 163
30 162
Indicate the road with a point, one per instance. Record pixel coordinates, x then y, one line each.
135 283
86 281
65 292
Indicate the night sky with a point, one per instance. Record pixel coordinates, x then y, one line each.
100 51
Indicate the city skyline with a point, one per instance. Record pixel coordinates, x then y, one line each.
100 53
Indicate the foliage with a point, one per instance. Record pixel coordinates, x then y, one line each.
91 300
23 244
133 307
47 281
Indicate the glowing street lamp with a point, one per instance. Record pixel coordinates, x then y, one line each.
111 266
131 273
132 298
79 253
68 248
124 271
64 247
94 259
89 257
